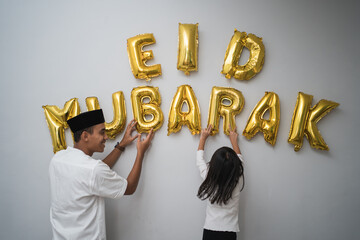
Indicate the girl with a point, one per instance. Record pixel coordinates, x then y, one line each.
221 187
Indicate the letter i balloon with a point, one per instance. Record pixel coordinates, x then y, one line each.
188 48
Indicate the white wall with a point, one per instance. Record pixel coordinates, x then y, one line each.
51 51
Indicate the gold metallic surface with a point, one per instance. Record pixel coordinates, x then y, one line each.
191 118
138 57
304 121
117 125
256 60
188 48
152 108
316 113
56 120
218 108
256 122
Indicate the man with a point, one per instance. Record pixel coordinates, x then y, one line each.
79 183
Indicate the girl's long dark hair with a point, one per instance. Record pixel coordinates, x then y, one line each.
225 169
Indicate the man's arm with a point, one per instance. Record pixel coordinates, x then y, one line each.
134 175
114 155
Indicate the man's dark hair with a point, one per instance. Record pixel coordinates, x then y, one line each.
77 134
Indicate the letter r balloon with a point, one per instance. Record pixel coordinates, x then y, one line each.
218 107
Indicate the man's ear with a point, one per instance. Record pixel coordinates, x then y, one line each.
85 136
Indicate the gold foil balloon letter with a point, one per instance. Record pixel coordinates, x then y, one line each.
188 48
177 118
56 120
142 110
218 107
304 121
138 57
256 60
256 122
298 122
117 125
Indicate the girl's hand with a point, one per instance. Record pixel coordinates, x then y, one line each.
233 135
205 133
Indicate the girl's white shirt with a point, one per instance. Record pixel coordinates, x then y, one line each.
220 217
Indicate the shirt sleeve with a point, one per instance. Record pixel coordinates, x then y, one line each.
241 158
201 164
107 183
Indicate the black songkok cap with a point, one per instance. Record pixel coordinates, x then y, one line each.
85 120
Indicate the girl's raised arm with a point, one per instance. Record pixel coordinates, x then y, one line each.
234 140
205 133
